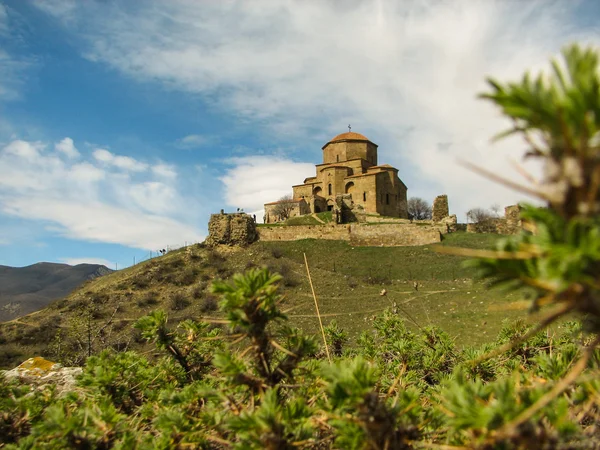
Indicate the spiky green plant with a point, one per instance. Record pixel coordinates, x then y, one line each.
251 305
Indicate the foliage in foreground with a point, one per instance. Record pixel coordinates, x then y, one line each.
262 384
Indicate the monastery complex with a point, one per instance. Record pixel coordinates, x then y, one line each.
360 193
350 173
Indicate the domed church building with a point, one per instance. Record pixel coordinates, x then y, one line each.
350 166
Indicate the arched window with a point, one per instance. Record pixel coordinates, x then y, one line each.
329 188
364 196
387 199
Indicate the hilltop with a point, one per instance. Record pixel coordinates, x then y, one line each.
426 288
27 289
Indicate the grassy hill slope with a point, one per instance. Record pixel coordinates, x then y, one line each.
348 281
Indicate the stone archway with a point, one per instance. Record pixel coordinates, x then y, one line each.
317 191
349 187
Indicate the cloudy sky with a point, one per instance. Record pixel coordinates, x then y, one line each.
124 124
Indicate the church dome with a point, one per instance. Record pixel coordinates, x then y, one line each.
349 136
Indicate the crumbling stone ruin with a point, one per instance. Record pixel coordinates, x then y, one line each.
346 211
509 224
237 229
440 215
440 209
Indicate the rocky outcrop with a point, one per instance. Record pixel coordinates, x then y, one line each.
237 229
40 372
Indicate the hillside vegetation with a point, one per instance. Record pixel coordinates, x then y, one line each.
348 282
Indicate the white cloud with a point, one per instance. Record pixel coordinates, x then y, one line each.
103 155
25 150
256 180
122 162
164 170
67 147
154 197
192 141
406 74
92 200
76 261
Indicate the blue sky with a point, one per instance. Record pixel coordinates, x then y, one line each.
123 125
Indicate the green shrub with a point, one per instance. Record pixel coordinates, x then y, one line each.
209 303
148 298
179 301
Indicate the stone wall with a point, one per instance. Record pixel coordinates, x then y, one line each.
512 220
231 229
509 224
440 208
371 218
387 235
485 226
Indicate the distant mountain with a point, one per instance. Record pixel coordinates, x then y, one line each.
27 289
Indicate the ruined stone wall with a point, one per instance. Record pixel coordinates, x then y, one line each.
448 224
509 224
346 211
485 226
386 235
231 229
371 218
440 208
512 223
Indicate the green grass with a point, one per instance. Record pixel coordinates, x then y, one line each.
348 281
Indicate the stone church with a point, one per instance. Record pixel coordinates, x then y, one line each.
350 171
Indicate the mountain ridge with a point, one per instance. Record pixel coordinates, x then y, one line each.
29 288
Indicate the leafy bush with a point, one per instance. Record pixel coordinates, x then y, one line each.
209 303
179 301
149 298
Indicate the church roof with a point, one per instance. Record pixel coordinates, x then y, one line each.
349 136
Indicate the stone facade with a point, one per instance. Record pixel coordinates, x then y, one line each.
387 235
231 229
350 167
440 209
